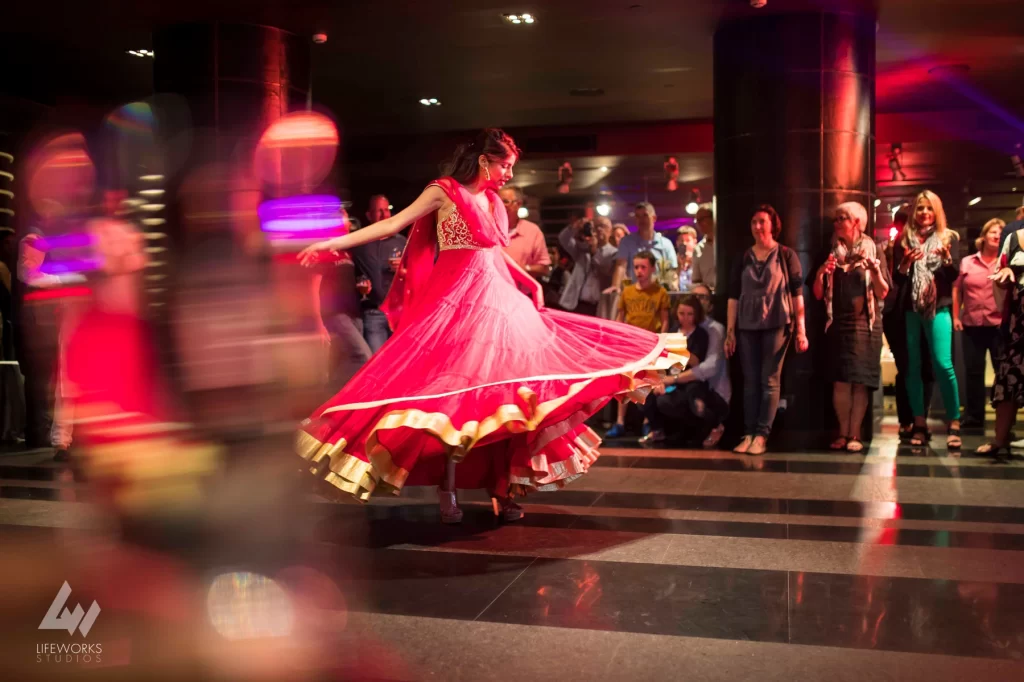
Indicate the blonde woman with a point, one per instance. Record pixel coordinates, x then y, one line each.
927 255
976 314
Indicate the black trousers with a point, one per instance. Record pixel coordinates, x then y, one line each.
894 324
978 341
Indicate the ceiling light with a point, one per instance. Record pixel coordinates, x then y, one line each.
974 201
141 53
523 212
604 210
604 169
878 202
693 205
519 19
151 192
431 102
151 178
391 207
152 207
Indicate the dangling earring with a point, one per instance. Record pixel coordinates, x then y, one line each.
487 173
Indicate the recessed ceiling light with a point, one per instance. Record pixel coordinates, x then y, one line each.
975 201
141 53
878 202
431 102
519 19
604 169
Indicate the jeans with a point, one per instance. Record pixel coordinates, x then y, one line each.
375 329
939 333
693 407
894 324
978 340
349 351
762 353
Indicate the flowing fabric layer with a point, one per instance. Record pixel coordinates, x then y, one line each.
475 372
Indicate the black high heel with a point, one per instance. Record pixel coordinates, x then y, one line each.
506 509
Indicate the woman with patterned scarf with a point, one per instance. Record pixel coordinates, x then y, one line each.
928 258
853 281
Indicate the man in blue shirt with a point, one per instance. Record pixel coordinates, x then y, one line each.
644 239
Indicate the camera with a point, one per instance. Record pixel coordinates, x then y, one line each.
587 230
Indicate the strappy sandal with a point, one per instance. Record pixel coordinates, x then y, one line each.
953 440
839 443
920 436
906 433
854 445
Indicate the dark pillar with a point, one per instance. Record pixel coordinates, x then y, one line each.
794 128
235 78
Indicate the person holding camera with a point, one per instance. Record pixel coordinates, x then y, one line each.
587 243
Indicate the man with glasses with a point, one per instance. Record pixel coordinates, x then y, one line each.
704 271
526 242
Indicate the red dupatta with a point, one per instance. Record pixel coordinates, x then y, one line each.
421 252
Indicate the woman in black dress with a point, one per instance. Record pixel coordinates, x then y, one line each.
853 281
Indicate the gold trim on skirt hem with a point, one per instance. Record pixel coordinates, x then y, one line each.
360 478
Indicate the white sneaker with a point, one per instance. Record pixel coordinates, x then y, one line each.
1019 444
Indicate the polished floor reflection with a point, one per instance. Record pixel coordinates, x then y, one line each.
670 565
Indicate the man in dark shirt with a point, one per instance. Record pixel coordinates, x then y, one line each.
378 262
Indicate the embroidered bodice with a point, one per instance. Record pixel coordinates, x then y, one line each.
454 233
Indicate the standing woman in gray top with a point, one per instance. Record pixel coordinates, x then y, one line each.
766 310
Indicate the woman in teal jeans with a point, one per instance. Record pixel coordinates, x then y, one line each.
928 258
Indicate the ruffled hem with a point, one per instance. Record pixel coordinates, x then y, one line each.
556 461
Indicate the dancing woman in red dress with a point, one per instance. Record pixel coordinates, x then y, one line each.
476 372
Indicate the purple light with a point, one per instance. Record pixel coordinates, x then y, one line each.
70 266
72 240
302 215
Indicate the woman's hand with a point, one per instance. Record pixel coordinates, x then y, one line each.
310 255
1003 277
828 267
909 258
958 325
802 344
730 343
943 252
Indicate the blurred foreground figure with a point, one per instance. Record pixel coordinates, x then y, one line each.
133 446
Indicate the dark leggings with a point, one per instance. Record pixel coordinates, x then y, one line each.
894 325
762 353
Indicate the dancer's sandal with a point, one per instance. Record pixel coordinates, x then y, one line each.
855 446
839 443
450 512
506 510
